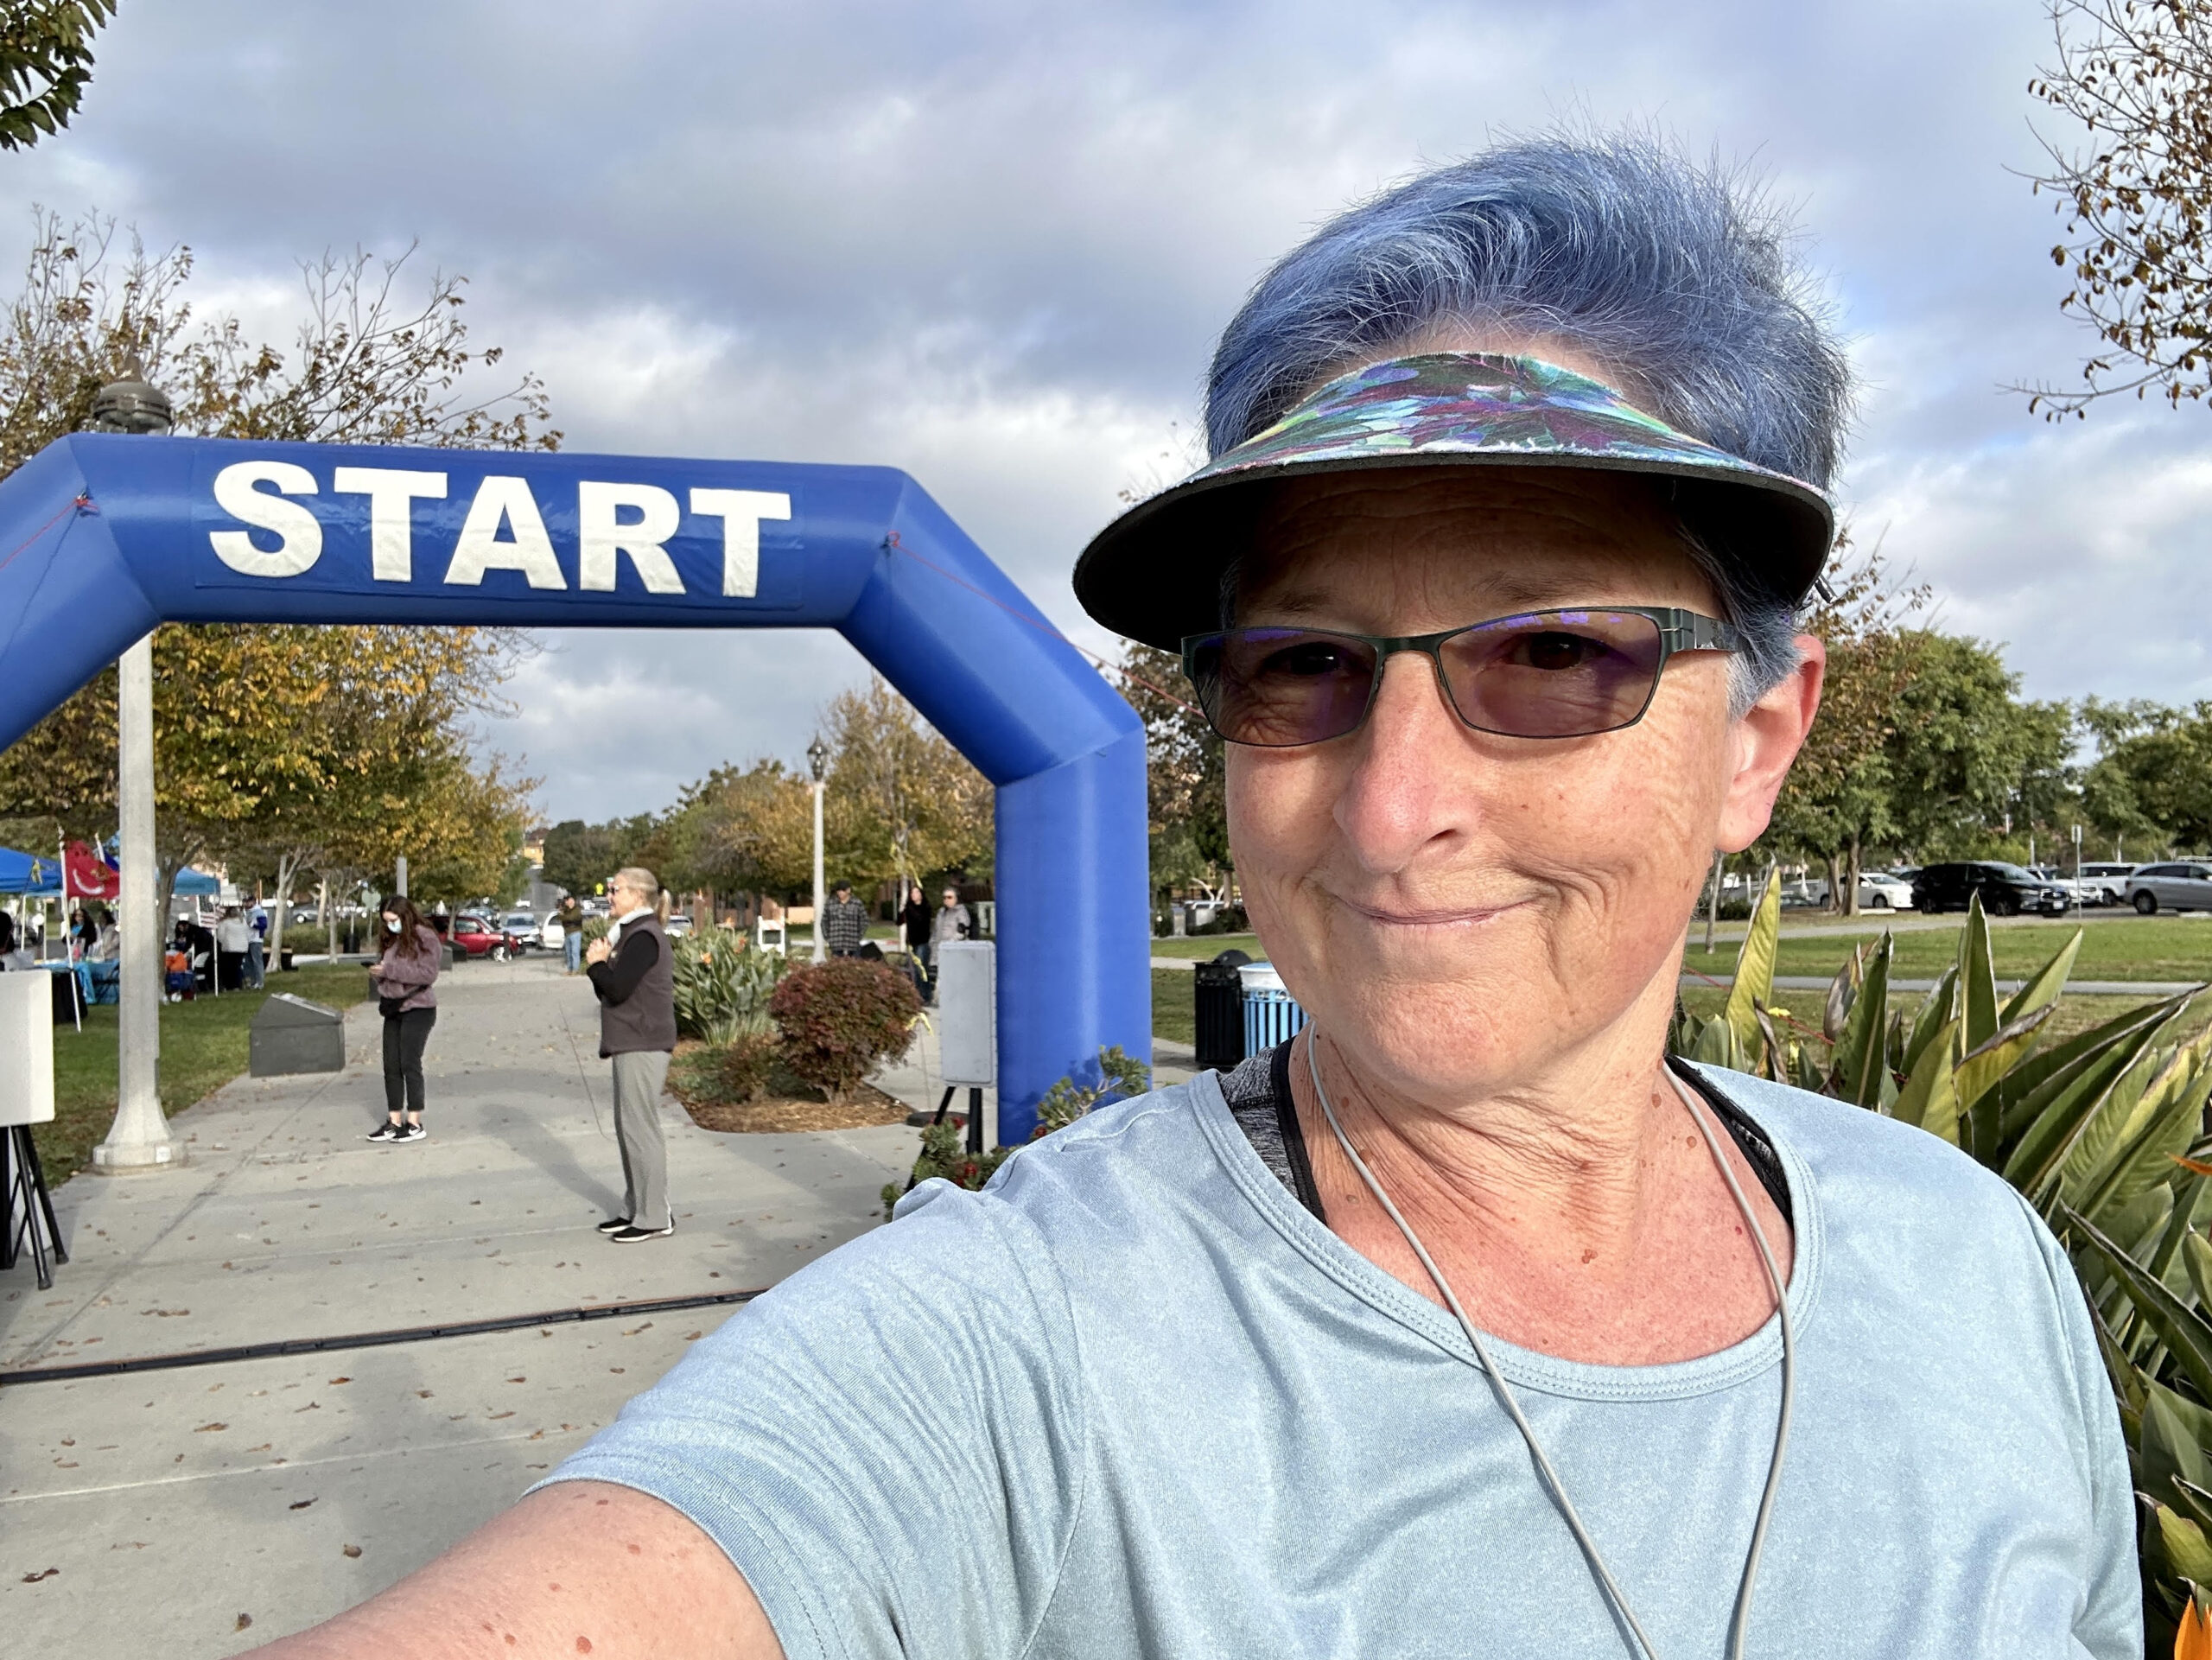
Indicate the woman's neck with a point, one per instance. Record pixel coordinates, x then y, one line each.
1548 1206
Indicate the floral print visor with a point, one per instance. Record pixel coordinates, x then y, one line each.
1154 574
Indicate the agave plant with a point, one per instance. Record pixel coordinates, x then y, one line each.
722 985
2103 1132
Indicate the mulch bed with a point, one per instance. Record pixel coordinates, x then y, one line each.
774 1113
787 1105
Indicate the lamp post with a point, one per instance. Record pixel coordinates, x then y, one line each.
817 761
140 1138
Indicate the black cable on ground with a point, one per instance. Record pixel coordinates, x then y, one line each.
279 1347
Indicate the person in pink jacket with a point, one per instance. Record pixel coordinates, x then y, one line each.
405 978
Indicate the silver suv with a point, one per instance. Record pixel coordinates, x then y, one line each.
2184 886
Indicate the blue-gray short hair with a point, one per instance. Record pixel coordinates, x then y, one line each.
1675 279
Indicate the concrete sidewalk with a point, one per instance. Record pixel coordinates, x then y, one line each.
197 1511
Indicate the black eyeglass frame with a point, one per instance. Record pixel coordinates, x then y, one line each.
1680 630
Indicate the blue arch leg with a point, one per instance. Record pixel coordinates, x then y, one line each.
1074 960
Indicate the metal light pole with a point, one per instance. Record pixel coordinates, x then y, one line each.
817 761
140 1138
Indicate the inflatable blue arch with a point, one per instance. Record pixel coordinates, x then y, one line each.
103 535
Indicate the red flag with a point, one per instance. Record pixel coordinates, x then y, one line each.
90 876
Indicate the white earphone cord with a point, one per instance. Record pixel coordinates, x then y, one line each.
1739 1623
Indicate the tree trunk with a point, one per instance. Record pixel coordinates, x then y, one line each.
329 917
1854 853
1836 881
1712 900
288 869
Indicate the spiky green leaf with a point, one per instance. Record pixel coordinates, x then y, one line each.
1978 1073
1936 1010
2005 1116
2171 1112
2046 983
1928 1098
2173 1443
1753 990
1978 979
1862 1068
2182 1329
1716 1045
1843 994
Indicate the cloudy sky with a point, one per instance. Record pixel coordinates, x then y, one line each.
991 244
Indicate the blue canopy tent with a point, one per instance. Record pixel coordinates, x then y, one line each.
28 872
196 884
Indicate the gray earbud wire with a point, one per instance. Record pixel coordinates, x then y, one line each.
1739 1623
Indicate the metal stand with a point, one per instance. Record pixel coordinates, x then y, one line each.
24 1184
974 1114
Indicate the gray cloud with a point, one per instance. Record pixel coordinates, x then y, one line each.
990 243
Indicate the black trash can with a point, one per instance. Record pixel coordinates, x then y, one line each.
68 997
1220 997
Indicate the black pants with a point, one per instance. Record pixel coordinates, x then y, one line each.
405 1036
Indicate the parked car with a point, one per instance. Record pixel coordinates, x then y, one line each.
678 925
1879 890
525 927
474 936
2105 884
2006 889
2185 886
1808 892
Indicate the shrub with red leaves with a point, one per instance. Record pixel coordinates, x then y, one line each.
842 1019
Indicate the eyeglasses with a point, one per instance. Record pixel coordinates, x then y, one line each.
1540 674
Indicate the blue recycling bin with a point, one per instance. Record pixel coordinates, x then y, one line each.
1271 1014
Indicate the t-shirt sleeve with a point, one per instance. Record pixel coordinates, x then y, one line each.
2110 1624
888 1444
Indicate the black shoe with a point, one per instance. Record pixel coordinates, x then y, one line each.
630 1236
614 1224
386 1132
414 1133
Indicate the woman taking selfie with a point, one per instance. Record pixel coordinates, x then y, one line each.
404 979
1464 1323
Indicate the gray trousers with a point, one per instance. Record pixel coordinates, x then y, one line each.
638 1080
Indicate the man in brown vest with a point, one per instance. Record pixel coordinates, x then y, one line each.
632 971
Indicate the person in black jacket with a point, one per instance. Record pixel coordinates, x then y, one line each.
632 971
914 927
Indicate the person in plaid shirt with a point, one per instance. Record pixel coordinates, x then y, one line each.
844 922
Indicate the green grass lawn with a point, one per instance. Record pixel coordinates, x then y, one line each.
1174 1012
2072 1014
204 1046
2119 948
2113 948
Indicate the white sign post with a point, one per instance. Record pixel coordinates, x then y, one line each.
967 1025
27 1099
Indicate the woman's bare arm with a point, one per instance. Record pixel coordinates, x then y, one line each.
581 1567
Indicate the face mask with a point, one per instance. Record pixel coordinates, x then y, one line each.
391 925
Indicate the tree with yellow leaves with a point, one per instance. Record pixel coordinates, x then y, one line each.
292 746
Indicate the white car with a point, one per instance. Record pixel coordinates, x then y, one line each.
2105 884
1879 890
525 927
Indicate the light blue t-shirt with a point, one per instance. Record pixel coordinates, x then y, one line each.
1134 1400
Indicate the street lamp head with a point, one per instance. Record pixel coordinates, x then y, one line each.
132 403
817 758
